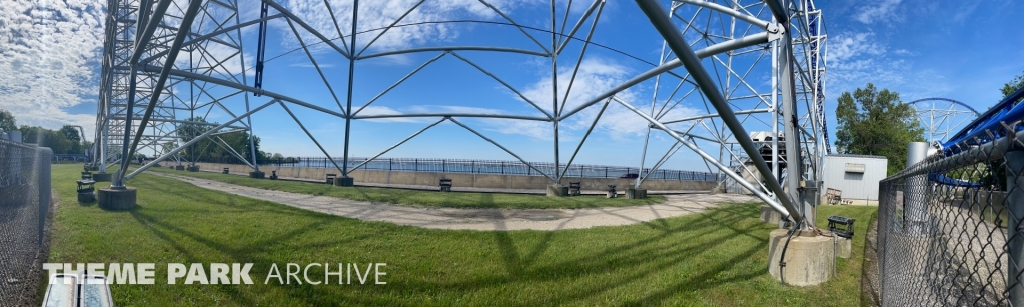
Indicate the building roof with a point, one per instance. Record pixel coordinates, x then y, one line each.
857 156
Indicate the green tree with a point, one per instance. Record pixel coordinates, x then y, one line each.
876 123
209 148
997 177
49 138
7 121
1012 86
71 134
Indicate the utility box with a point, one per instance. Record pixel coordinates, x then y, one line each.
857 176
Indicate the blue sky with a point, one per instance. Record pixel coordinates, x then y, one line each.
952 49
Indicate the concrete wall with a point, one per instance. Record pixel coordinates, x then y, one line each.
463 180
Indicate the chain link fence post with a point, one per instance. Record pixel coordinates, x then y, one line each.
1015 245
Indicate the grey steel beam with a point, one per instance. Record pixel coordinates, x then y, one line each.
197 138
252 134
579 60
142 41
579 23
389 27
542 119
794 165
315 65
311 30
334 21
503 148
183 30
738 43
502 14
778 10
224 145
584 139
414 71
310 135
684 119
178 121
728 11
398 144
205 78
351 75
514 90
678 44
786 212
454 48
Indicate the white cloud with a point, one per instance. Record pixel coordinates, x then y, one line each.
380 14
310 65
878 11
49 52
904 52
378 110
597 76
858 58
846 46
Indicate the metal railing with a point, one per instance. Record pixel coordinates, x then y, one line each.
949 228
468 166
24 201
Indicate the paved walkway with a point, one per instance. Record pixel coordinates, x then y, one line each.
478 219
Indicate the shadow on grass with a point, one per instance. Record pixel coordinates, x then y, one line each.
633 265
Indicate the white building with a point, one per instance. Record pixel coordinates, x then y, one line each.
857 176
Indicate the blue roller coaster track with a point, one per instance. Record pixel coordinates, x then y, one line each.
984 129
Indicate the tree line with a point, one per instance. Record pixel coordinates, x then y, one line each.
873 122
66 140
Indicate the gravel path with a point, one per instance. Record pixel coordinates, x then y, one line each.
478 219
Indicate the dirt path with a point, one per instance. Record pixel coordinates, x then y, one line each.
478 219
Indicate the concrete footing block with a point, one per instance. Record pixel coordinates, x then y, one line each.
344 181
843 247
718 190
636 193
192 168
116 198
257 175
101 177
770 215
557 190
179 167
808 259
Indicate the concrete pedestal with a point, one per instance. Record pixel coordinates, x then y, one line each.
257 175
101 177
769 215
636 193
116 199
192 168
843 247
808 259
179 167
344 181
557 190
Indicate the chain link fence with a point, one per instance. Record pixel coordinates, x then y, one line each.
949 228
471 166
24 201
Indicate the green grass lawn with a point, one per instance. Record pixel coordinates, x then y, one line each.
425 198
718 258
